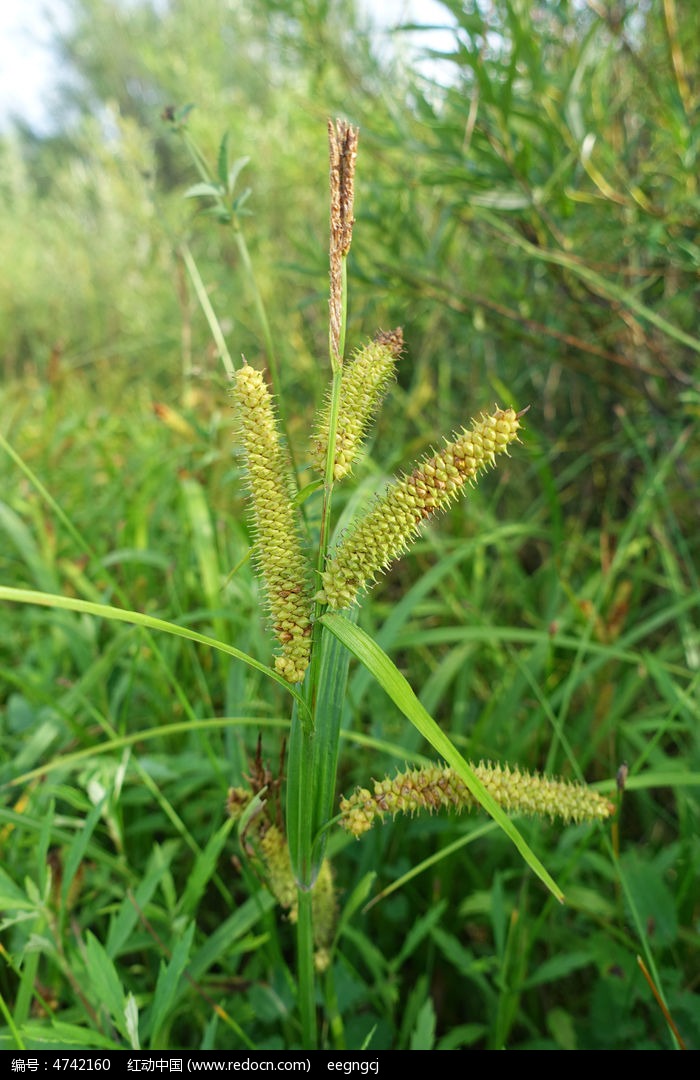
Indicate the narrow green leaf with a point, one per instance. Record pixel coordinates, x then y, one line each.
131 1021
123 921
137 618
355 901
78 847
423 1035
307 491
227 937
558 967
203 188
468 965
58 1035
168 982
235 171
651 899
104 983
22 539
602 285
432 860
464 1035
240 201
332 692
205 549
222 161
12 897
419 930
204 867
398 689
299 802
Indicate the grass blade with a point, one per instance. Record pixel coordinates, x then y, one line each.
398 689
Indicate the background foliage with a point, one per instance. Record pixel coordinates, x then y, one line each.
527 210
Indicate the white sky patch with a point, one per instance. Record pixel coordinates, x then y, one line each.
27 66
29 69
434 16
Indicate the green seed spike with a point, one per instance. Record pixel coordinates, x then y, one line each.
364 381
438 786
393 522
278 549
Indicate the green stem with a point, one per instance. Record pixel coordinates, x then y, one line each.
202 166
313 746
299 809
209 313
304 784
300 791
305 955
198 158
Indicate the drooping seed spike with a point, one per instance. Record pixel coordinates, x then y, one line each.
435 787
280 877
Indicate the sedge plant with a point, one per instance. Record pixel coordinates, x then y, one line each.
314 582
313 593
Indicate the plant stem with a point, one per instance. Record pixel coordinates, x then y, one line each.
305 956
209 313
299 824
229 213
311 774
313 748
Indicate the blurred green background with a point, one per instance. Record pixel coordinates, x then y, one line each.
527 210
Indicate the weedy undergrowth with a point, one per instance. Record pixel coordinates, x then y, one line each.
313 594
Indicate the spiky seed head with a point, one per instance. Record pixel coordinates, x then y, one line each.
279 554
363 384
388 528
275 853
435 787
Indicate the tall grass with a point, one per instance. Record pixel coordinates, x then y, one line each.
550 620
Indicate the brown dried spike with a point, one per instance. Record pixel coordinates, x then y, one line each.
342 140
